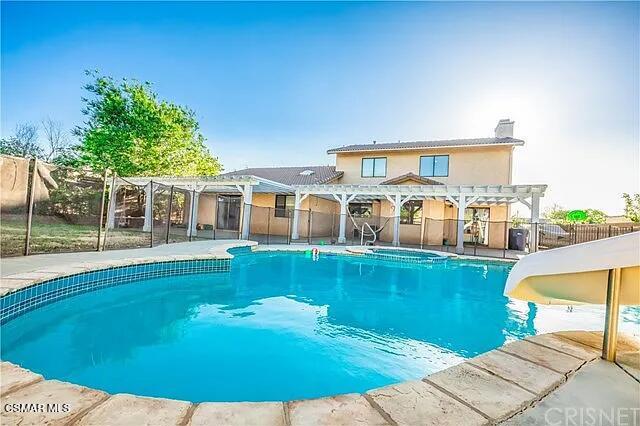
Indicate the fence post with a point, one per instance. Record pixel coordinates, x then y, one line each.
475 242
102 200
268 225
505 242
191 211
151 227
32 192
112 199
333 225
166 241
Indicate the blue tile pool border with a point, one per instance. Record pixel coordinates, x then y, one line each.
43 293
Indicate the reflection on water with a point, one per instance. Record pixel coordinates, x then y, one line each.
282 326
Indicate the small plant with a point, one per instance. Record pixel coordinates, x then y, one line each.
517 221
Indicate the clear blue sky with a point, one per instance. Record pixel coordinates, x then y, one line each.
279 83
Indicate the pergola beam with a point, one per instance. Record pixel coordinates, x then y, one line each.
479 194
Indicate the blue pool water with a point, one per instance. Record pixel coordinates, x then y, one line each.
281 326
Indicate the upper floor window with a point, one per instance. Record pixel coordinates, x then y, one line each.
434 165
284 204
374 167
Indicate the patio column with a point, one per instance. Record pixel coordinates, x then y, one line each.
148 208
296 217
194 197
397 205
342 237
462 205
295 235
247 194
535 218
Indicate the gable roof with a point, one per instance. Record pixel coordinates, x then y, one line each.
292 175
449 143
410 176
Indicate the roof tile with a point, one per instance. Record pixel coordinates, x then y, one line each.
292 175
426 144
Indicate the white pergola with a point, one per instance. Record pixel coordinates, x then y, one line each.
459 195
243 185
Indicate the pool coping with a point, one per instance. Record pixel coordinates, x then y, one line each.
486 389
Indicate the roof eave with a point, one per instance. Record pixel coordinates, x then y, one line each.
413 148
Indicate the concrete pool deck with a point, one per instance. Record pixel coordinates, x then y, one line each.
539 380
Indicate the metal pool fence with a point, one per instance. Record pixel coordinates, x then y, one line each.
502 239
51 209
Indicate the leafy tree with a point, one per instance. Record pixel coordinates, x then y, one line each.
24 143
131 131
632 207
556 214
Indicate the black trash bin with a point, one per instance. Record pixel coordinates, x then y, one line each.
518 239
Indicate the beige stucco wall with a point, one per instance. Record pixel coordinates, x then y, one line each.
207 209
440 223
263 217
481 166
14 183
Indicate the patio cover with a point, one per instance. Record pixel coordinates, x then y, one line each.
459 195
244 185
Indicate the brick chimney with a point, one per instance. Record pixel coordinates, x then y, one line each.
504 129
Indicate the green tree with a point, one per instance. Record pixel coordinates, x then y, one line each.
632 207
129 130
556 214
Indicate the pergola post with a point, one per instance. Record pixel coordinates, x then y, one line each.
342 237
111 213
194 197
397 205
462 205
535 218
344 201
247 194
296 214
148 207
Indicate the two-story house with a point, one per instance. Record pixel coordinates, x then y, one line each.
406 193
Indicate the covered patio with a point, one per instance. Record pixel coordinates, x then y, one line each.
328 219
193 188
460 196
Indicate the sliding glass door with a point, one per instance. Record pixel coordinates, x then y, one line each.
228 216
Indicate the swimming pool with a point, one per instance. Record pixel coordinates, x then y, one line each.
280 326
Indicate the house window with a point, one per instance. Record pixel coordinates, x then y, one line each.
284 204
361 209
411 212
434 165
374 167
